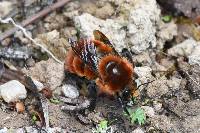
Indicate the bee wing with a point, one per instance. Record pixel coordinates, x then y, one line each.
98 35
86 51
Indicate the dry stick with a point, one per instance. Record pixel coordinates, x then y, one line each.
7 20
35 17
31 20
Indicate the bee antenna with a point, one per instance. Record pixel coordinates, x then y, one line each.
144 84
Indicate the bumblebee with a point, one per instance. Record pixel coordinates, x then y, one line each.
97 60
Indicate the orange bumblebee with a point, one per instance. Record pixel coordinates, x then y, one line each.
98 61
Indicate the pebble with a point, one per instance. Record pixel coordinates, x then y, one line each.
157 106
30 62
70 91
166 32
13 91
113 29
38 84
5 7
141 25
149 111
183 49
194 57
138 130
144 74
48 72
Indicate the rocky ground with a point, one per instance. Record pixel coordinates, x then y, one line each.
163 37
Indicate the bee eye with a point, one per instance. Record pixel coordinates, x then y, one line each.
111 68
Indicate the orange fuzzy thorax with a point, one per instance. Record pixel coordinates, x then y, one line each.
112 84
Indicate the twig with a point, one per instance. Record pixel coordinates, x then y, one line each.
26 35
45 110
33 18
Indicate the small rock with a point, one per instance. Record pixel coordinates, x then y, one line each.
166 32
162 122
53 42
100 12
138 130
54 21
191 124
38 84
163 86
30 62
87 23
5 7
141 26
70 91
95 116
89 7
157 106
183 110
167 64
174 83
72 9
149 111
49 72
20 107
69 32
157 88
6 41
144 74
13 91
187 8
183 49
194 57
142 58
71 14
139 17
4 130
193 79
20 35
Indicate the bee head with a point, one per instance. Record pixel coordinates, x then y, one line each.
115 71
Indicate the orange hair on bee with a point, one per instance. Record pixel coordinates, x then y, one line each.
104 88
111 82
69 61
75 65
89 73
78 66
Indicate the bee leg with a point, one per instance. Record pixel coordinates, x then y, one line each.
127 54
123 104
72 79
92 89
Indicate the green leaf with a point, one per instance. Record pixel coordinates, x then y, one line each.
54 100
137 116
167 18
34 118
102 126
